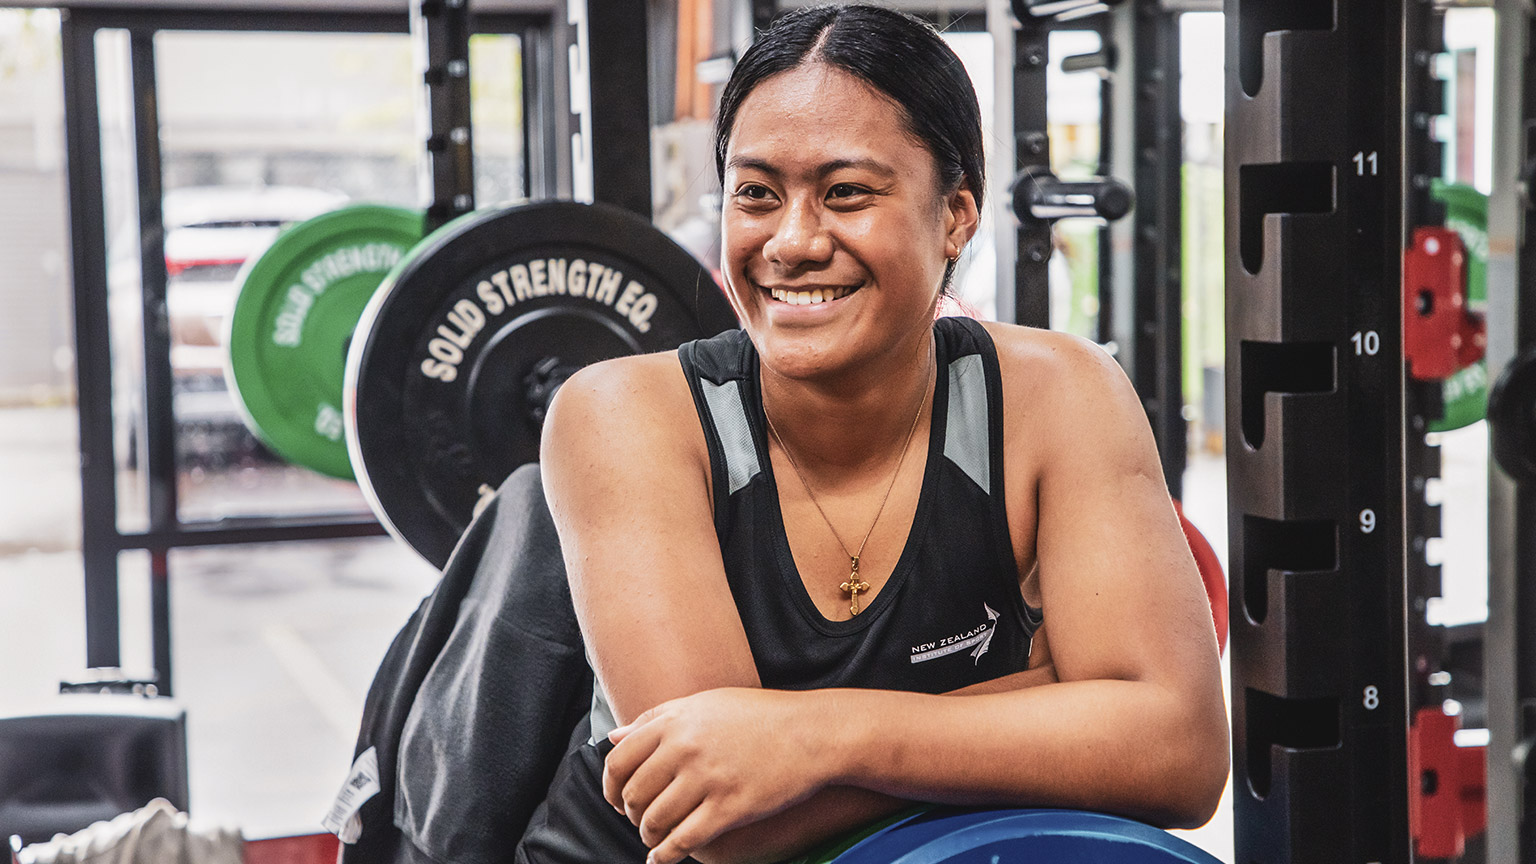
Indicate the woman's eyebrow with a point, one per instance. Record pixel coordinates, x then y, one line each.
873 165
822 170
749 163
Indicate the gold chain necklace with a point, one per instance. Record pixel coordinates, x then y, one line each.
854 586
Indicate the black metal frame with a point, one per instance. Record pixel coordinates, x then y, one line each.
442 29
618 73
1315 455
160 437
1423 401
1105 330
87 215
1156 350
544 127
1032 152
1152 349
102 540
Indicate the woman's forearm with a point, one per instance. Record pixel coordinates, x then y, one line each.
1008 683
1116 746
839 809
1128 747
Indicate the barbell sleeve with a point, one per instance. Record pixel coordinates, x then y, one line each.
1042 195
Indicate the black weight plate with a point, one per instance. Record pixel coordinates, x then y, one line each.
443 395
1512 418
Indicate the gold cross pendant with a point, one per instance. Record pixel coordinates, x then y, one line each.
854 586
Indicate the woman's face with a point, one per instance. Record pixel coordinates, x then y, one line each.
835 232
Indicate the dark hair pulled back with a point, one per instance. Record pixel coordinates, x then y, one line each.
900 56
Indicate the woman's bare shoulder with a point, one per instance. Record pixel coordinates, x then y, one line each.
637 375
1073 375
632 411
630 392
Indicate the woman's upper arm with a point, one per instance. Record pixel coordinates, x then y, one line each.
626 473
1122 595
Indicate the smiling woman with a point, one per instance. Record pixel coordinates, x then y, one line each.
791 660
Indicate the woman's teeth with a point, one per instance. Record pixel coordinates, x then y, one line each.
809 298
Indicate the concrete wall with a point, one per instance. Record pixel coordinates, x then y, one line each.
36 329
35 320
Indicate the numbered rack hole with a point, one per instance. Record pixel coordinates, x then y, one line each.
1294 546
1283 187
1281 367
1256 19
1295 724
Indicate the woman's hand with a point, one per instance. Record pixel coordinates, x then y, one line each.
693 768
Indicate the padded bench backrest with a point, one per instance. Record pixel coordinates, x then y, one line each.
87 759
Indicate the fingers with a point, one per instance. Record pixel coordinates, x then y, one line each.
667 811
627 756
696 830
646 783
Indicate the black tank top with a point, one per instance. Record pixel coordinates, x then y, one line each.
950 615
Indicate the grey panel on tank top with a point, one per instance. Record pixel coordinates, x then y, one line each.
730 419
601 716
965 426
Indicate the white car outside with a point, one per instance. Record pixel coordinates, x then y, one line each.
210 232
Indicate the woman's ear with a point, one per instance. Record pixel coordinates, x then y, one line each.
961 218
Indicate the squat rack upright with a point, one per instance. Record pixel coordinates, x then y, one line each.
613 65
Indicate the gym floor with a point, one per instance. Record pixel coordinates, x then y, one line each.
274 646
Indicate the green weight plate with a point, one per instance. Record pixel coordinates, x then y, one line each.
1466 398
292 324
1466 213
